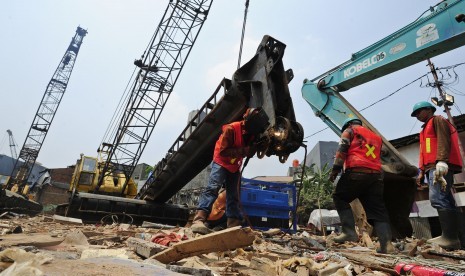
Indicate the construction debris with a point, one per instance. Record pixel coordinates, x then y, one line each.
144 248
62 219
228 239
55 247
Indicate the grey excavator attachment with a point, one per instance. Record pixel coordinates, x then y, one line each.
261 82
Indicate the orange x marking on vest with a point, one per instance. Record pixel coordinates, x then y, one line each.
370 151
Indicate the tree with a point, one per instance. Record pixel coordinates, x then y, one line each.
315 192
147 170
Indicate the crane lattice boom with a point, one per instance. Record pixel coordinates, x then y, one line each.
46 112
14 153
159 69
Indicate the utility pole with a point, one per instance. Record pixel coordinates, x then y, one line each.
438 84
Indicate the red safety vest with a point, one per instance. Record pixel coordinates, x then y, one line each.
229 163
364 150
429 145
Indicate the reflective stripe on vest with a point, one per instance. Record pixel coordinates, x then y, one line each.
231 164
364 150
429 145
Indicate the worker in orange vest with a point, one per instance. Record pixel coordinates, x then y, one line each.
359 155
439 160
234 143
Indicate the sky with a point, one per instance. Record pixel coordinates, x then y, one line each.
319 34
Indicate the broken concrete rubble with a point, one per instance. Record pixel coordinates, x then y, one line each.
50 247
144 248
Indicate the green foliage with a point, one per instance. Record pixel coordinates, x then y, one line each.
316 192
148 169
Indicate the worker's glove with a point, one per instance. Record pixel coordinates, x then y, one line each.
333 175
441 168
440 179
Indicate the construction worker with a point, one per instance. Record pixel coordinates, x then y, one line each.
358 155
231 147
439 160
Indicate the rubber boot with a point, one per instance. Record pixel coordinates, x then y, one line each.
348 227
232 222
449 225
383 231
198 224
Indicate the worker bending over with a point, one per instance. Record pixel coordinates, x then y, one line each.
234 143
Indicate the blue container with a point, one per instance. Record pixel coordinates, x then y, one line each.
269 204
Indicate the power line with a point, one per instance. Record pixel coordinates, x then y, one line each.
391 94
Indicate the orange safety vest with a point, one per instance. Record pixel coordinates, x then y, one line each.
364 150
229 163
429 145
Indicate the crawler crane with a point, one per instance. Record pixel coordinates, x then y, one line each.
107 178
38 131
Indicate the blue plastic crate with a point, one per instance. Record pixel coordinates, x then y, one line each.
269 204
268 212
264 198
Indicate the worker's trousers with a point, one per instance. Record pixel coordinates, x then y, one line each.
368 188
219 177
441 198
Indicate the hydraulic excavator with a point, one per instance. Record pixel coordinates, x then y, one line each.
439 31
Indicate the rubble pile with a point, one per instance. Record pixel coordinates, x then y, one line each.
44 245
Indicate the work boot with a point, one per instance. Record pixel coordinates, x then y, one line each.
449 225
219 227
348 227
198 224
232 222
383 231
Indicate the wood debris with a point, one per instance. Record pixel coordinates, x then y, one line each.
50 246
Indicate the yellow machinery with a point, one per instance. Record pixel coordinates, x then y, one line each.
93 202
86 175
